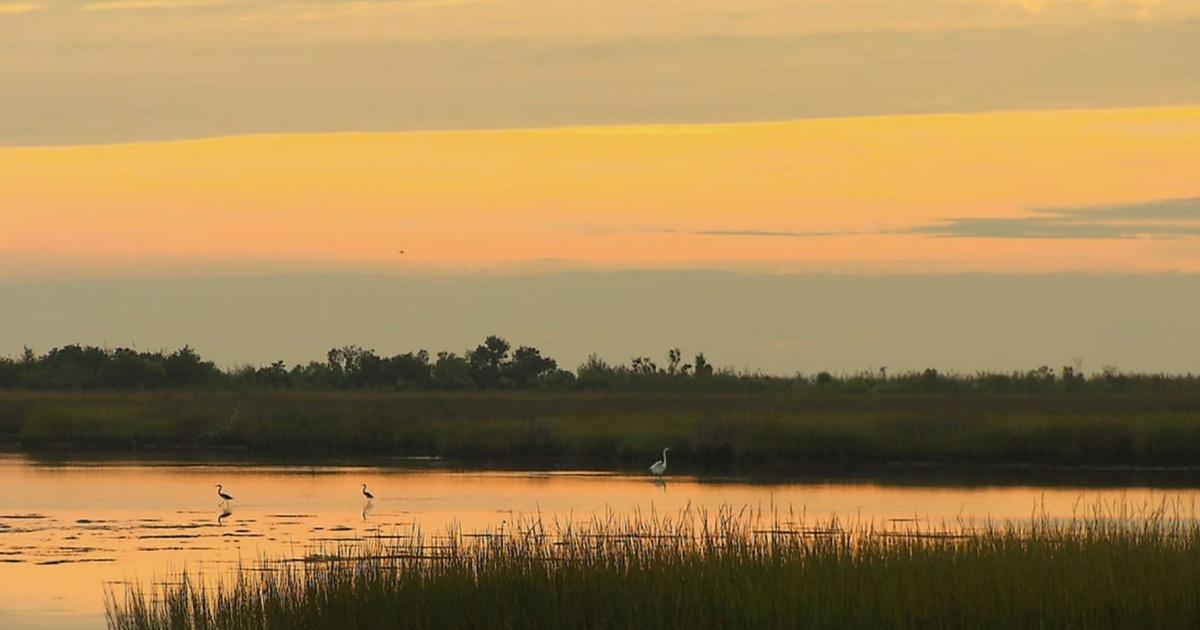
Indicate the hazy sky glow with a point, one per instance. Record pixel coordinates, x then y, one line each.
1102 190
84 71
780 323
486 135
579 141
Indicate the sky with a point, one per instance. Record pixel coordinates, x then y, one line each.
777 323
174 141
1091 190
81 72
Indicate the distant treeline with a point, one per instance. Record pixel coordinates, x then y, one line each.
495 365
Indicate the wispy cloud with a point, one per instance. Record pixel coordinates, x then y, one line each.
1172 218
16 8
315 11
134 5
775 234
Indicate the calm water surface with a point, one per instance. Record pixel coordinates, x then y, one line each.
69 530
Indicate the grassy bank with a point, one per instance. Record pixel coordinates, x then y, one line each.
726 571
705 430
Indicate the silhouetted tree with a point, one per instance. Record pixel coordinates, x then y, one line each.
129 369
316 375
275 375
487 361
703 368
643 366
10 373
595 373
527 365
185 368
491 365
370 371
451 371
674 358
410 370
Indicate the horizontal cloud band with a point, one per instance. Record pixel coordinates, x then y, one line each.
1171 218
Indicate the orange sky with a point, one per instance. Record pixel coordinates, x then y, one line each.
605 197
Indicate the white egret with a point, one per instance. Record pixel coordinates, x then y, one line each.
370 497
659 467
221 493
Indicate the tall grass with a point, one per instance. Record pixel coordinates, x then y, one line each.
764 429
724 570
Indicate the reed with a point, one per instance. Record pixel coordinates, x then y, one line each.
758 430
1106 569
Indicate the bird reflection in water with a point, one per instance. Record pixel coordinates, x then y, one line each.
225 512
661 484
367 509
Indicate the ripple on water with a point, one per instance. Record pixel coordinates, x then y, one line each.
73 561
72 549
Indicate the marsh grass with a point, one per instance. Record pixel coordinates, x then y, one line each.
706 430
1109 568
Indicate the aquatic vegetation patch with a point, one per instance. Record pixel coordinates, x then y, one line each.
1107 568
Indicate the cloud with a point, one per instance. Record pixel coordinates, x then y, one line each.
774 234
1105 9
1172 218
315 11
16 8
133 5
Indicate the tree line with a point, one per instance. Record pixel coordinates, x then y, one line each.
496 365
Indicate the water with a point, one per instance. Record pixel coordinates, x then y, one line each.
69 530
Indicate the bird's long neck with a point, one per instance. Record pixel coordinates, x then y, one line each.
664 456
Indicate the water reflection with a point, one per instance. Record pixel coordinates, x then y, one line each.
61 538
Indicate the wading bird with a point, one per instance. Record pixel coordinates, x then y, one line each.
659 467
221 493
370 497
